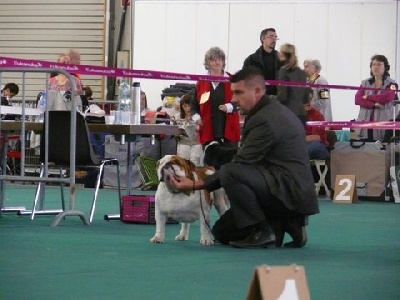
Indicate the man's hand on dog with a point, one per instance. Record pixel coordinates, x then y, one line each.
184 183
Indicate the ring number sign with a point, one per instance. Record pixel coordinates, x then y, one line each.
345 189
279 282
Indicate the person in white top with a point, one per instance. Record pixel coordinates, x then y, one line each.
188 146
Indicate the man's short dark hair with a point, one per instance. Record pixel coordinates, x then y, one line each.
264 32
14 89
246 74
88 92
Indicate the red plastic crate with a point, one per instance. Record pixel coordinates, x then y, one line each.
140 209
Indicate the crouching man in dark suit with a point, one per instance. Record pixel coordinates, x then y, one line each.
269 181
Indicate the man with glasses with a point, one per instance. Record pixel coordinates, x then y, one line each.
265 58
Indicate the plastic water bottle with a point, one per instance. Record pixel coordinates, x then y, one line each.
42 106
124 102
135 107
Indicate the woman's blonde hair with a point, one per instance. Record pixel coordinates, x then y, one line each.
71 56
62 58
289 52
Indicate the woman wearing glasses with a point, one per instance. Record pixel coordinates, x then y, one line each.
266 58
376 105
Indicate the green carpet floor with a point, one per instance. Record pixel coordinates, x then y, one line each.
353 253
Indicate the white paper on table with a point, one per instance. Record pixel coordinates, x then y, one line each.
17 110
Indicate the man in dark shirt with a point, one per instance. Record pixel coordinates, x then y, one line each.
10 90
265 58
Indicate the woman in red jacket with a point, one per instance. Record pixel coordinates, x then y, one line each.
215 115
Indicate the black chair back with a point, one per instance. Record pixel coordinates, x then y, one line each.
59 140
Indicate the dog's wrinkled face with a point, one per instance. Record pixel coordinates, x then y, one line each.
173 165
168 171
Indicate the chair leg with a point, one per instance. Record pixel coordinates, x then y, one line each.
97 187
39 194
62 192
119 188
96 191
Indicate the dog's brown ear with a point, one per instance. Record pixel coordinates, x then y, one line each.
192 166
175 160
183 163
189 168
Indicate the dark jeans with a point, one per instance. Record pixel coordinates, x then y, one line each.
317 150
251 202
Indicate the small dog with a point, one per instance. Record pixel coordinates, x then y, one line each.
187 206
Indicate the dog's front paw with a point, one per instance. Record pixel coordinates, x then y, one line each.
206 241
181 237
157 239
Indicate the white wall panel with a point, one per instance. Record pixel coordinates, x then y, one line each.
149 46
343 35
245 23
183 35
311 29
344 60
210 32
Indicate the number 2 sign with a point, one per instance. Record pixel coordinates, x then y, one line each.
345 189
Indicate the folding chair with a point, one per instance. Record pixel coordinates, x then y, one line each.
322 170
59 153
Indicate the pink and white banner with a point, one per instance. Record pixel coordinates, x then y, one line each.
9 62
355 124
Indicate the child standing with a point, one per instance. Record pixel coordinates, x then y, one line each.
188 146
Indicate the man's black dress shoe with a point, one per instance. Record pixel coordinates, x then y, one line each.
278 228
296 228
259 238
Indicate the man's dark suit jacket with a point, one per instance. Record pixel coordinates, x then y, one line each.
273 139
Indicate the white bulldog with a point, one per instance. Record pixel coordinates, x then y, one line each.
185 207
